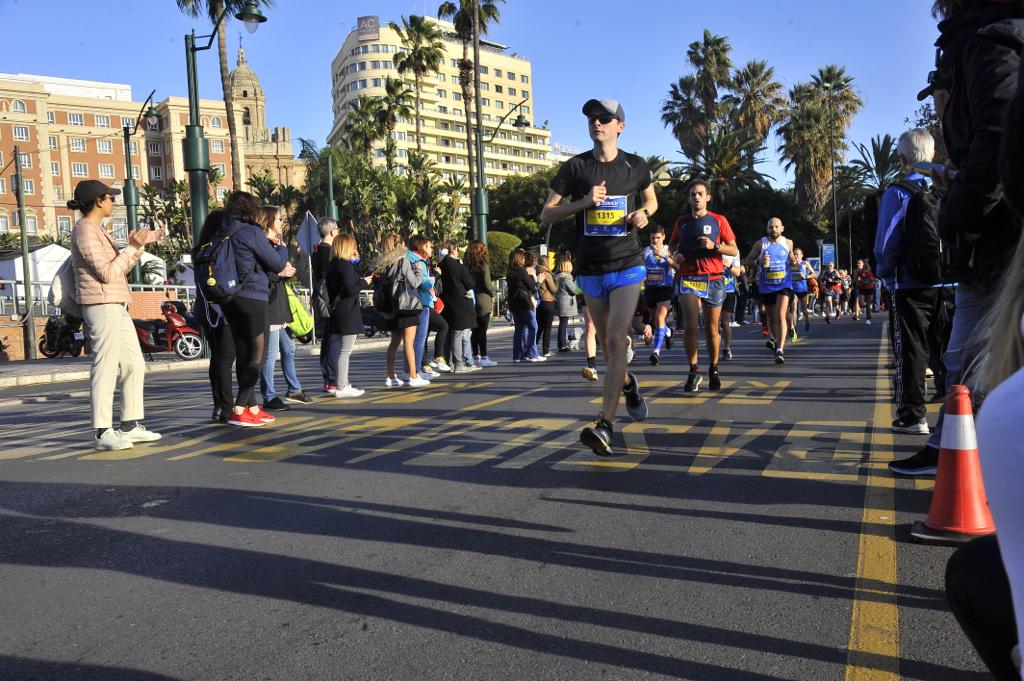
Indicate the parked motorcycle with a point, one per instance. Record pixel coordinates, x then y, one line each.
373 321
63 333
172 333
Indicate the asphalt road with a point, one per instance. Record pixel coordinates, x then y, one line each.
461 532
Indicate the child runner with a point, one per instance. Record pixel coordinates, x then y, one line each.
658 287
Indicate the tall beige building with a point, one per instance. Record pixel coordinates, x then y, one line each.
364 62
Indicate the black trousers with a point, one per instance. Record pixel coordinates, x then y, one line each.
222 357
478 336
545 318
979 596
440 325
248 322
915 314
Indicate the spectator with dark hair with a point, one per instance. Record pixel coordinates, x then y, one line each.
321 260
457 294
216 332
478 262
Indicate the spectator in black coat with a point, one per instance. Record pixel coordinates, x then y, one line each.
459 310
343 286
321 260
216 332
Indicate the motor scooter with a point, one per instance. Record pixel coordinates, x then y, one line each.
172 333
63 333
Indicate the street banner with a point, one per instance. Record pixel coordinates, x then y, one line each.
828 254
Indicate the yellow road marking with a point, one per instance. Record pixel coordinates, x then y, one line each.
761 394
247 437
535 429
873 649
718 446
327 431
501 400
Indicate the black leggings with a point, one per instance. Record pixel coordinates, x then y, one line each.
438 324
248 321
478 336
545 317
222 356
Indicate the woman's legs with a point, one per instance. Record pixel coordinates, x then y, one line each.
531 334
482 322
419 338
346 344
222 356
287 345
248 321
441 337
545 317
413 350
521 319
563 332
267 371
458 351
389 356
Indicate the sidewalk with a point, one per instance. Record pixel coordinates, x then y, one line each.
67 369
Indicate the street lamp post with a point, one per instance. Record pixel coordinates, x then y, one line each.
131 192
196 148
480 208
827 86
332 207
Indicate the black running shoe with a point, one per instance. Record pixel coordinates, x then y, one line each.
636 405
668 342
276 404
655 358
924 462
692 382
828 320
779 358
598 437
714 382
770 344
728 353
807 325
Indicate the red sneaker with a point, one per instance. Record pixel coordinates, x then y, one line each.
245 419
264 416
764 332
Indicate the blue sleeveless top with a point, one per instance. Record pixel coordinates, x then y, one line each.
659 273
775 277
800 285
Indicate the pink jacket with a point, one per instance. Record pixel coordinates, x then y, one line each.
100 271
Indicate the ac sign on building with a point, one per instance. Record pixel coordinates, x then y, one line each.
368 28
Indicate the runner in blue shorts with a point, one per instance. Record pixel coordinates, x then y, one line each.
611 196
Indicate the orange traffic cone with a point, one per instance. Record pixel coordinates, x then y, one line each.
959 510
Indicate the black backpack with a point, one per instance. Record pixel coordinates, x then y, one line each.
215 270
924 254
384 293
323 306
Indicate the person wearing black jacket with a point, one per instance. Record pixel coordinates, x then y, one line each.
478 262
216 332
346 322
321 260
459 311
520 303
979 59
279 316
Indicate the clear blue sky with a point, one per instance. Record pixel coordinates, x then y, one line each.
628 51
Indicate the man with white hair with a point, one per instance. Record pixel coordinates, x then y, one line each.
330 343
915 303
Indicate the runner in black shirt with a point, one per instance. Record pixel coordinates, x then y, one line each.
611 195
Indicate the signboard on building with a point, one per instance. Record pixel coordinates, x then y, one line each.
369 28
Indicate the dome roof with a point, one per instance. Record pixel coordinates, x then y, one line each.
244 78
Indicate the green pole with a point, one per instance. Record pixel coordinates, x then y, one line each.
197 150
131 198
26 265
332 208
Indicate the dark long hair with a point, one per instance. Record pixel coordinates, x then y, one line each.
477 256
214 221
244 206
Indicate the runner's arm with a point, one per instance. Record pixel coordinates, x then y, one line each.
751 260
554 210
650 204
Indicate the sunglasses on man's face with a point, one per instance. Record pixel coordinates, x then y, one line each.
603 119
112 199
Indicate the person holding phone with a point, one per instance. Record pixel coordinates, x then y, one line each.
611 196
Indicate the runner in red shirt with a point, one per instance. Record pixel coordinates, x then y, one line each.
699 240
864 282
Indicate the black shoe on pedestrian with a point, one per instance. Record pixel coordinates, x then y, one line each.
770 344
636 405
714 381
598 436
220 415
655 358
276 404
924 462
807 325
298 396
693 381
668 342
728 353
828 320
908 423
779 357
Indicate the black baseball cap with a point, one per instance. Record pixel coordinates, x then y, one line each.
608 106
88 191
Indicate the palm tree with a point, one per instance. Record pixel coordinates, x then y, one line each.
423 55
806 149
845 101
212 9
461 14
758 99
881 165
396 103
727 161
363 125
263 186
683 112
710 58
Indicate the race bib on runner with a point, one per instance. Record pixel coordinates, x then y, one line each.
776 275
694 284
608 218
655 277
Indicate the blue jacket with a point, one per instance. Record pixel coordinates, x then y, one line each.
889 237
255 255
427 287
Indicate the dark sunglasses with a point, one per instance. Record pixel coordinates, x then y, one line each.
603 119
112 198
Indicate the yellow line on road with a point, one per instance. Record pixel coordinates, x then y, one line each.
874 646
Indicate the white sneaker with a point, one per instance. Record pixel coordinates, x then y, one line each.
391 382
430 372
868 322
474 367
442 365
734 324
140 434
348 391
486 362
112 439
463 369
536 359
418 382
928 373
629 355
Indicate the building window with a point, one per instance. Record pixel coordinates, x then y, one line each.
524 79
484 101
64 225
102 121
127 122
526 109
153 126
217 146
58 192
441 78
220 168
77 144
28 186
18 106
54 168
3 186
455 63
511 76
76 119
31 225
485 86
457 96
483 70
5 224
134 148
80 169
106 170
135 172
215 122
105 146
53 142
119 229
442 94
21 133
50 117
442 109
499 103
378 82
154 148
222 193
26 160
499 89
156 173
